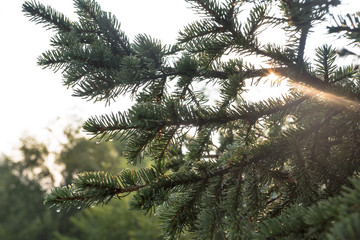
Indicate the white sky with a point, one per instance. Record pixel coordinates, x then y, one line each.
32 99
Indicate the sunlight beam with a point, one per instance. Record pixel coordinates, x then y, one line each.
342 101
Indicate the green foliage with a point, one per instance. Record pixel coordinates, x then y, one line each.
21 195
334 218
79 155
47 15
23 184
278 165
115 221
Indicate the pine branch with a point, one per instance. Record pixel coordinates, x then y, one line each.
108 26
48 16
209 7
111 126
326 57
324 219
200 29
274 158
350 25
92 188
302 43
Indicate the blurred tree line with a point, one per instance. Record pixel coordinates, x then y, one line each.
24 182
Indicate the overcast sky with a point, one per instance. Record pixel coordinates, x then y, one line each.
32 100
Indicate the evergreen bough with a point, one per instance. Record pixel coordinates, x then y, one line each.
283 168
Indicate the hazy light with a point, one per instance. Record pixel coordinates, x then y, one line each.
275 79
270 86
351 104
272 77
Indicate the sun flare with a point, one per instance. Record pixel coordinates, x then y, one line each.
327 96
272 77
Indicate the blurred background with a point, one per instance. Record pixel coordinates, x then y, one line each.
42 144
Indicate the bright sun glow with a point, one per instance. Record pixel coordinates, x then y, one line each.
272 77
271 86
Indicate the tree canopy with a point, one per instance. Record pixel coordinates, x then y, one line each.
222 167
25 180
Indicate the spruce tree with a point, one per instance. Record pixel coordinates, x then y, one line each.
281 168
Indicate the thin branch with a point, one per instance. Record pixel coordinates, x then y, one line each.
302 43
